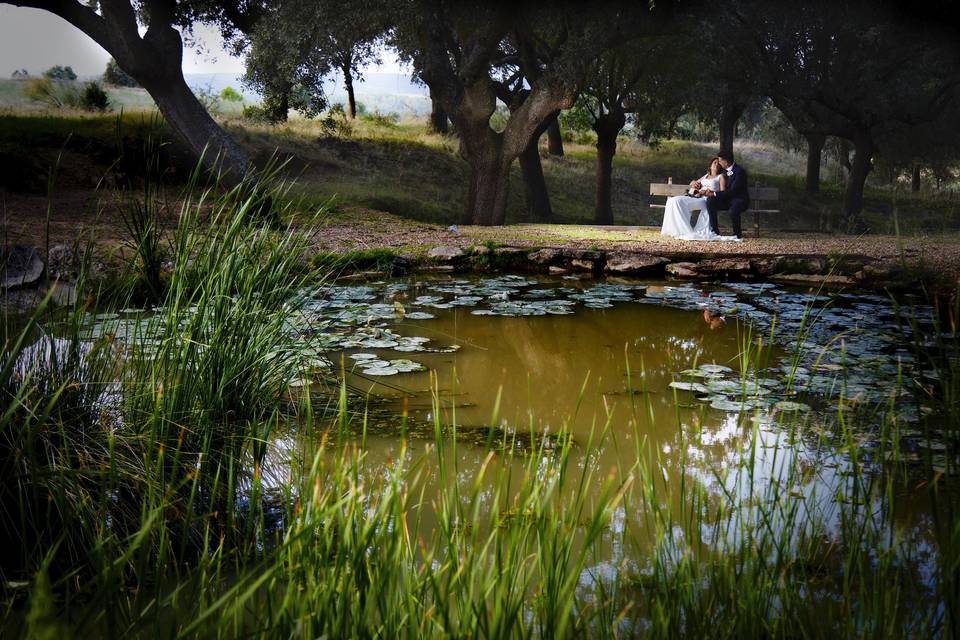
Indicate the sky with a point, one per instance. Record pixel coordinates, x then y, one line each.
36 40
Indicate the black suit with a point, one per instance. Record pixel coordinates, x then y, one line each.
735 198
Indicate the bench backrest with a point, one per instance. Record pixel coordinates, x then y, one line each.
756 193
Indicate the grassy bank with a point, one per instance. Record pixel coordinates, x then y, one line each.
397 167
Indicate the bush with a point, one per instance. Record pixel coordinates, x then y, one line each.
229 94
209 99
94 98
382 119
256 113
58 72
118 77
52 93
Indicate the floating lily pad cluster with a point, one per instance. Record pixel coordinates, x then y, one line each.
840 345
721 388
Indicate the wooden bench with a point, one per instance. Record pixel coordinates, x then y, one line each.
759 198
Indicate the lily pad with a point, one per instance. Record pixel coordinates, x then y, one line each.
789 405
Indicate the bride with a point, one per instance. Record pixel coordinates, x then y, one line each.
676 217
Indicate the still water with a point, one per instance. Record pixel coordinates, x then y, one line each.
733 390
744 405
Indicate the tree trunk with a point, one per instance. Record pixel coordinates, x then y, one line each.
155 60
607 127
554 139
192 124
439 122
351 99
815 142
915 178
487 196
729 116
277 104
860 168
538 200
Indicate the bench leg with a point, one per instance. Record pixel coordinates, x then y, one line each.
756 224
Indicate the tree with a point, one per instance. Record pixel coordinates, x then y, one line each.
637 78
297 43
116 76
352 42
60 73
722 80
229 94
439 122
155 59
284 63
457 50
554 138
856 70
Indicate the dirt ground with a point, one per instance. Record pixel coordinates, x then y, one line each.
77 215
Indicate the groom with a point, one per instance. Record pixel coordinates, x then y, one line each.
735 197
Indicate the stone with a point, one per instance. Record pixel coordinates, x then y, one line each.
683 270
878 271
724 265
812 279
583 265
445 254
22 266
480 250
436 268
633 263
583 254
766 266
544 256
62 263
558 271
400 265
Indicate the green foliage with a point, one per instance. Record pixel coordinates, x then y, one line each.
576 119
389 120
61 73
94 98
51 93
117 77
335 122
359 260
229 94
256 113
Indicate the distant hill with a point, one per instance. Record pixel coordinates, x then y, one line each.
384 92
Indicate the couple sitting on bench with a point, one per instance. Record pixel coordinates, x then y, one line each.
724 186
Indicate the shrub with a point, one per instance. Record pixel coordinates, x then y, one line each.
94 98
229 94
52 93
58 72
382 119
255 113
335 123
118 77
207 97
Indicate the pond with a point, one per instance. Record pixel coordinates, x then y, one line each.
738 394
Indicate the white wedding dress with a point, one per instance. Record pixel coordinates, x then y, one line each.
677 216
